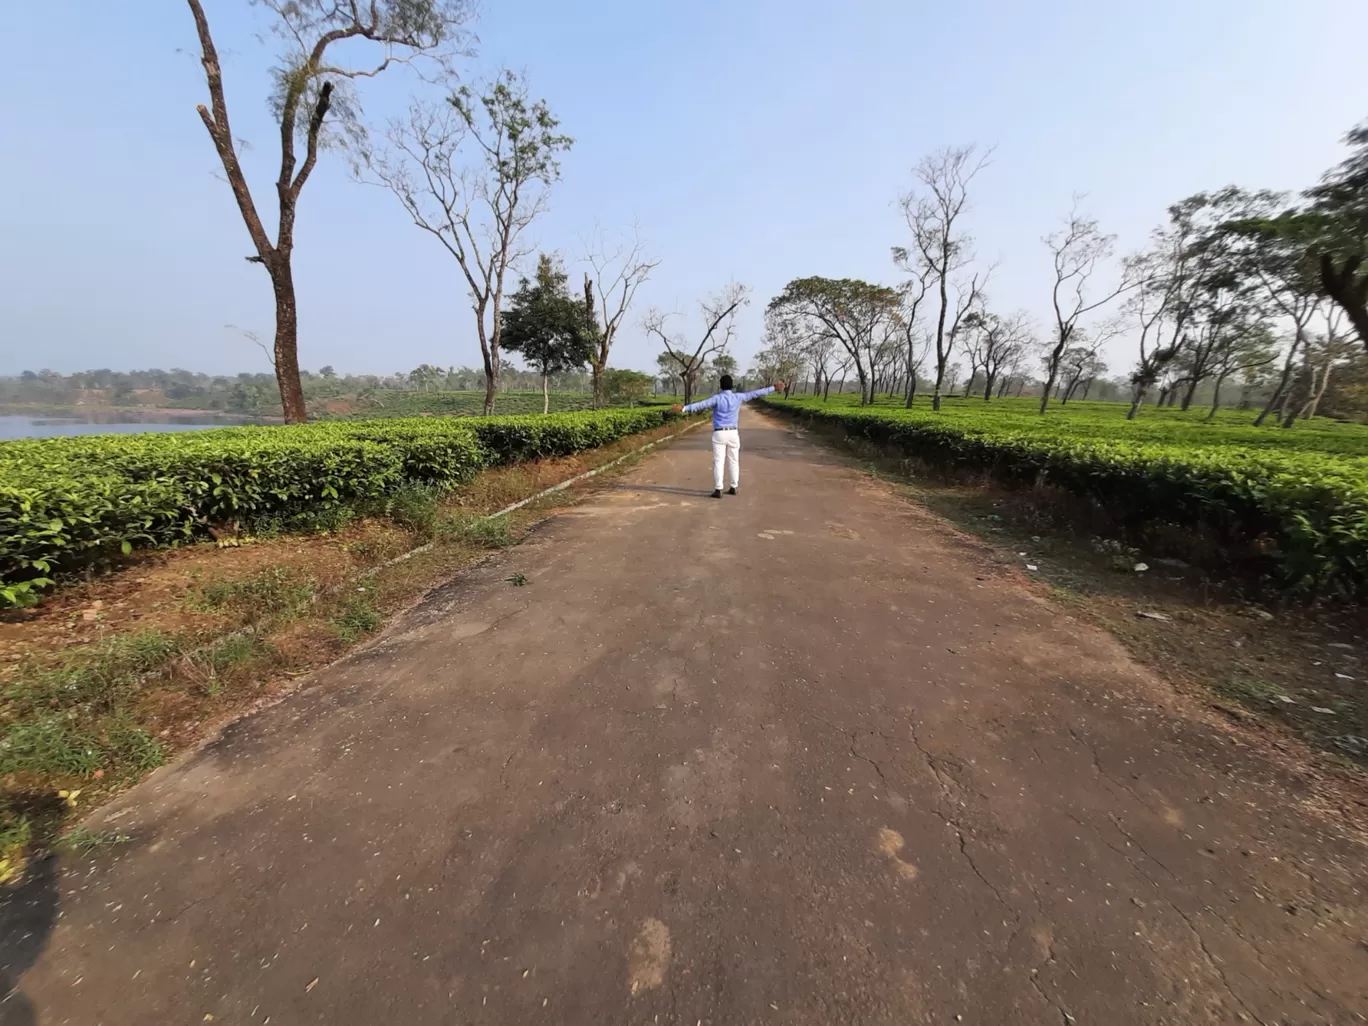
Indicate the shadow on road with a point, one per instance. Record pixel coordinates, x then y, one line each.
28 912
668 489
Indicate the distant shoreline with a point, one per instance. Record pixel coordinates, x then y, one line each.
50 410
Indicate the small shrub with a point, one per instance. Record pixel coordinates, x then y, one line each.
415 507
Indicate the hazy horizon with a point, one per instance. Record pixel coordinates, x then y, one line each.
760 143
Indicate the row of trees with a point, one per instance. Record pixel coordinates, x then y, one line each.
1235 287
470 166
258 393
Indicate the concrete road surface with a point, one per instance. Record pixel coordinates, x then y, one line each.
799 756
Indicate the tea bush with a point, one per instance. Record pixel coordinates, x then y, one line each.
1297 499
70 502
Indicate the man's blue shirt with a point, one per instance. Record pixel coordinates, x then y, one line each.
726 406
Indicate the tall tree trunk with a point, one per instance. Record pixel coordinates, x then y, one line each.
1139 398
1283 381
1088 388
911 389
988 379
546 395
596 374
1052 371
1191 391
1313 404
491 369
286 356
1216 397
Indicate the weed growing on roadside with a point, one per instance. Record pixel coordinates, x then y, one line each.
478 532
517 580
358 618
414 507
273 593
83 841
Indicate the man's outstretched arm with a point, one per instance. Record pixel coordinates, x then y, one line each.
776 387
702 404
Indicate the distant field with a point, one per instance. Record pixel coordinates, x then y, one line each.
458 404
1293 501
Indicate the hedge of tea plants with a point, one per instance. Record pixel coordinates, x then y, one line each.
1295 501
67 503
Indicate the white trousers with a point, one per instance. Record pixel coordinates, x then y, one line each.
727 447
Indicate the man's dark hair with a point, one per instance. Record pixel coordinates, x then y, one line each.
726 382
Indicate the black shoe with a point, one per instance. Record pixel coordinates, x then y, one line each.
717 493
731 490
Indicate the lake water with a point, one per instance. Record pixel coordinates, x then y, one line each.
98 422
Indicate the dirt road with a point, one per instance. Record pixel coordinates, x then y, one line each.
801 756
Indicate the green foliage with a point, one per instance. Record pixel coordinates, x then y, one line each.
628 386
71 502
414 506
1299 499
549 327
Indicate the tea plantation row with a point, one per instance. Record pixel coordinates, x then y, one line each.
66 503
1292 503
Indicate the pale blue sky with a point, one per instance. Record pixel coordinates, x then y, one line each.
757 139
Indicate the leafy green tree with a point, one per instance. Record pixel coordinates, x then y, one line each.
626 387
667 369
854 313
547 325
1337 222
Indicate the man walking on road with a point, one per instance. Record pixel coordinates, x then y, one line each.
726 439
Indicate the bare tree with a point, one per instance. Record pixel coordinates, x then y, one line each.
312 94
1243 345
1334 348
1080 364
719 319
1000 343
1077 249
1159 302
911 293
619 270
939 243
477 211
